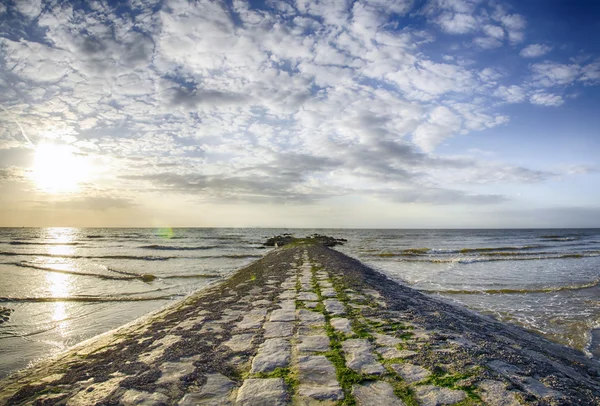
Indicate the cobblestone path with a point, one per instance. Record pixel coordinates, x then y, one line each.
303 326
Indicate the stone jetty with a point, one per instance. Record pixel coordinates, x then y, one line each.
307 325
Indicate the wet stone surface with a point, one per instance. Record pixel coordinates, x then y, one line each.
307 325
314 343
263 392
411 373
317 379
376 393
216 391
273 353
334 307
342 325
278 329
361 358
429 395
240 342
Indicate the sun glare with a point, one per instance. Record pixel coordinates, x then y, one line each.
57 169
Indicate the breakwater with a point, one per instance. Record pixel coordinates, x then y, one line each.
309 325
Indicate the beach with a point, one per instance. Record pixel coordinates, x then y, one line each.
307 324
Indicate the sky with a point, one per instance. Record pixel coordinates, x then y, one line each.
364 113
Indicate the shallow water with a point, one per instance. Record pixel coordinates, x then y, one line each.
545 280
64 285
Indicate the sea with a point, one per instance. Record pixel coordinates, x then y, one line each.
61 286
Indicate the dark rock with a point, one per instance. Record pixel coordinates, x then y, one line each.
285 239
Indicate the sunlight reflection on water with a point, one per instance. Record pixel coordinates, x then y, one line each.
59 284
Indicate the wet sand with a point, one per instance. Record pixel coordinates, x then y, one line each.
308 325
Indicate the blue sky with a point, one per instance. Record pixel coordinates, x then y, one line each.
367 113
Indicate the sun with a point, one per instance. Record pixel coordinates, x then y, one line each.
58 169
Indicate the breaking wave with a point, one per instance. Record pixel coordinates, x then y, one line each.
42 243
178 248
43 254
516 291
201 275
86 299
127 275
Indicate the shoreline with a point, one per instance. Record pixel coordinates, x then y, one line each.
304 324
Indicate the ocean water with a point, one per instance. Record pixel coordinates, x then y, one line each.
60 286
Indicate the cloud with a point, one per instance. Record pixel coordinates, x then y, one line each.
513 23
279 180
440 196
487 42
457 23
29 8
535 50
12 174
441 124
304 100
581 169
511 94
493 31
392 6
590 74
89 203
192 98
548 74
547 99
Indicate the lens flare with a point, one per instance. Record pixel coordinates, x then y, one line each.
166 233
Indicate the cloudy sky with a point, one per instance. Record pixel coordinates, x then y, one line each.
357 113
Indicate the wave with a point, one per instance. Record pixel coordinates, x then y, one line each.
233 256
516 291
177 248
558 238
43 243
500 257
43 254
193 276
489 249
86 299
541 257
406 252
140 257
128 257
441 251
129 275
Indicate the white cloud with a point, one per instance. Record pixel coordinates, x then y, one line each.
493 31
304 100
511 94
457 23
428 80
487 42
535 50
458 6
546 99
513 23
442 123
333 12
489 75
392 6
590 74
548 74
29 8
